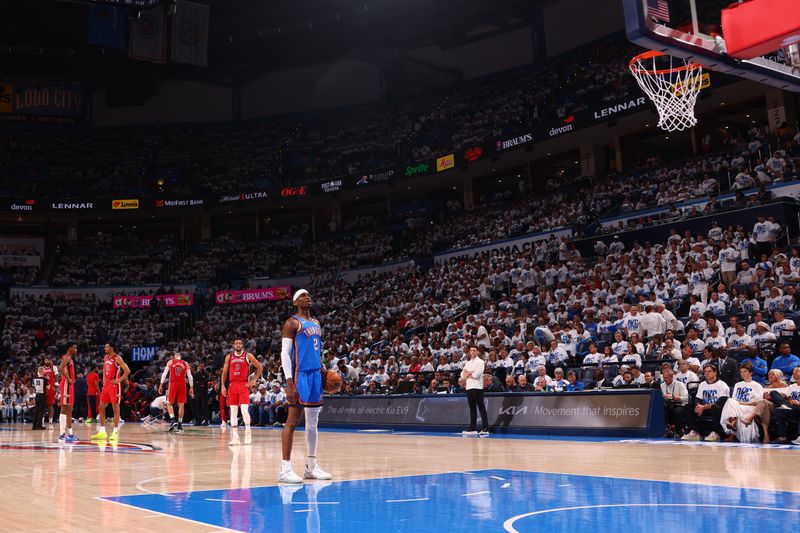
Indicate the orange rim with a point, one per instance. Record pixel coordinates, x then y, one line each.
655 53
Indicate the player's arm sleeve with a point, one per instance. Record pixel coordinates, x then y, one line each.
164 374
286 357
189 375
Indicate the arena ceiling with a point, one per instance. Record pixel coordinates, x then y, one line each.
249 37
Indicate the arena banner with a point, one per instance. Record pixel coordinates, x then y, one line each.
21 246
20 260
143 302
581 411
505 247
99 293
42 99
254 295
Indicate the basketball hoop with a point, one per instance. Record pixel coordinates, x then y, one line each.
672 84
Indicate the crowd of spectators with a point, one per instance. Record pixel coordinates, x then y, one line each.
215 159
625 317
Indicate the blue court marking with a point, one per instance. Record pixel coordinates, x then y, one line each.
486 500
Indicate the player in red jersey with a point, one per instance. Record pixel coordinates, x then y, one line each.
112 390
178 371
237 367
50 375
92 394
67 372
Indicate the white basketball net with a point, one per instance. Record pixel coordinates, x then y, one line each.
672 84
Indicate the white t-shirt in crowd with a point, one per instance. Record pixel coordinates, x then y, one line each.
711 392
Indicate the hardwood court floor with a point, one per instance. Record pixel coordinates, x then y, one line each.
52 487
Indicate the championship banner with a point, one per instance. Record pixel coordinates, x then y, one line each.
254 295
190 33
107 26
143 302
147 39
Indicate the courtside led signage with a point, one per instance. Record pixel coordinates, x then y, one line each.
445 163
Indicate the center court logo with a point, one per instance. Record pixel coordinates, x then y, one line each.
81 446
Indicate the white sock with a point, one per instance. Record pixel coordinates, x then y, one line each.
312 419
62 423
69 431
116 429
246 417
286 465
234 415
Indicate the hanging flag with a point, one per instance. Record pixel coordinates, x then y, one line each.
190 34
107 26
658 9
147 40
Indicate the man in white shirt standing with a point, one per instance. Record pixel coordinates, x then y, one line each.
728 255
763 233
473 376
652 322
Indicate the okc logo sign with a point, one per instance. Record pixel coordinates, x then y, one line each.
83 446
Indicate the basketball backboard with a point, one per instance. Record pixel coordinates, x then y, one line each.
692 30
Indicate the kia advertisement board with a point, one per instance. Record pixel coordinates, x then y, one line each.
254 295
537 412
143 302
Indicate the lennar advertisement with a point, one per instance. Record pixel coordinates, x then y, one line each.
535 411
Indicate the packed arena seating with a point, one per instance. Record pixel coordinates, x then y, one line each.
565 202
405 331
216 158
533 313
